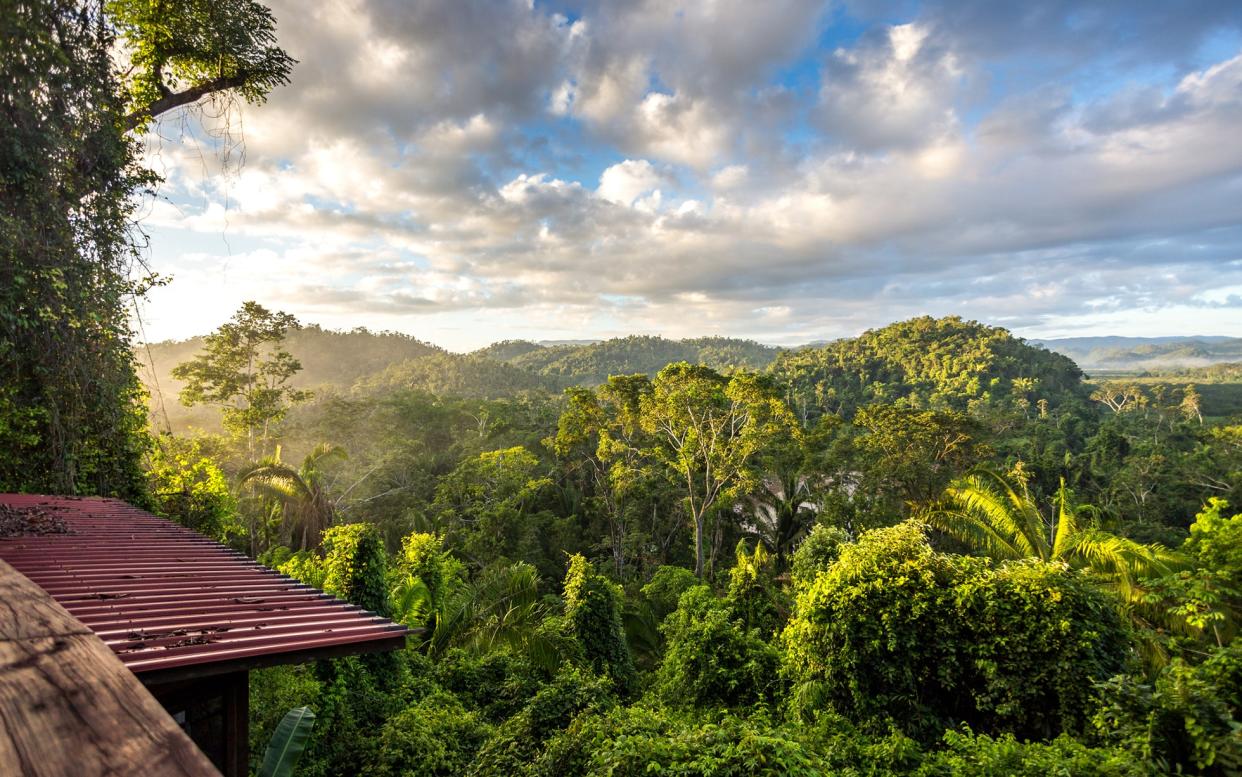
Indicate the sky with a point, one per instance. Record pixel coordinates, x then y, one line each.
468 171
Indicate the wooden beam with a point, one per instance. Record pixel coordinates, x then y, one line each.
237 725
69 706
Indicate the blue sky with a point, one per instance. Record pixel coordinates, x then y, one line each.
788 171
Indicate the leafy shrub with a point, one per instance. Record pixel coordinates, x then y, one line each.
352 707
423 557
355 563
1186 721
895 631
303 566
982 756
497 684
711 660
184 483
273 692
593 608
436 737
519 741
816 553
666 587
643 741
754 600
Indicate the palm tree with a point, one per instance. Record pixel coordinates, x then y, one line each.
501 606
999 518
781 512
303 494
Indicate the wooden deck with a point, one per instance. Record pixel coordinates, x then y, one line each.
68 706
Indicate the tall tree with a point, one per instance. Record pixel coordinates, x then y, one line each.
71 419
245 369
710 430
600 435
69 398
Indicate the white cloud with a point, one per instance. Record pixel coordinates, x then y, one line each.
626 181
438 161
896 91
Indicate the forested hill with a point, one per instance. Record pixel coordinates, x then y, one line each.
328 358
926 362
1146 353
592 363
361 361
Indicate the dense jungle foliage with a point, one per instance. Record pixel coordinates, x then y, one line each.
933 549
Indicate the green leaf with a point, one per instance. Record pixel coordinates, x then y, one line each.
287 744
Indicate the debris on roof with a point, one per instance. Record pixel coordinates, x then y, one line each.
171 602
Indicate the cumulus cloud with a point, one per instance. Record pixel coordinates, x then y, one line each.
897 90
728 167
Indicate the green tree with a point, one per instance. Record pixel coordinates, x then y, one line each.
489 506
499 608
593 608
181 51
245 369
308 506
1192 403
895 631
910 455
356 566
713 658
185 483
70 404
710 431
1002 519
752 593
816 553
599 433
1187 720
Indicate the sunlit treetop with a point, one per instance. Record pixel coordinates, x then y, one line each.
179 51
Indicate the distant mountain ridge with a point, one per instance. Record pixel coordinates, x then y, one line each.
365 362
593 362
1146 353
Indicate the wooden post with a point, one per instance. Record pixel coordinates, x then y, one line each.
237 725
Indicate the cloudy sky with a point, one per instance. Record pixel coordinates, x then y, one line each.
785 170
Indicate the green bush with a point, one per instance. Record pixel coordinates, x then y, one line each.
644 741
666 587
423 557
895 631
184 483
753 597
352 708
816 553
496 684
711 660
593 608
303 566
275 691
436 737
519 741
355 565
982 756
1186 721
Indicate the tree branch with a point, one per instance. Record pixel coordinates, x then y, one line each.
177 99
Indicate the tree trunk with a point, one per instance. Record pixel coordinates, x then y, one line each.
698 546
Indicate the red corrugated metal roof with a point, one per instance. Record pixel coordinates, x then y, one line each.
166 598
